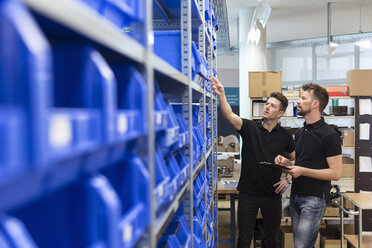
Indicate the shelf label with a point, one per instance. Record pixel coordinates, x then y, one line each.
60 131
122 124
127 233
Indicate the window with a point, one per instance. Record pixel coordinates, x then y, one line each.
295 64
334 67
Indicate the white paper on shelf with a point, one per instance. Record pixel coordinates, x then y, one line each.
364 131
365 107
365 164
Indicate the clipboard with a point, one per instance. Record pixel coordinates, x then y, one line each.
274 166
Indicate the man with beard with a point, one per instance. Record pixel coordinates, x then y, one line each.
259 187
318 161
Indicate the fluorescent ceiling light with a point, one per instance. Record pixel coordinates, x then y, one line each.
263 13
364 43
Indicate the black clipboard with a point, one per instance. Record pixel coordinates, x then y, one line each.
274 166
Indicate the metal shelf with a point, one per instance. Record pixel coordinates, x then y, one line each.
82 19
165 217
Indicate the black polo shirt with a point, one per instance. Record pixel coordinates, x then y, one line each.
314 143
261 145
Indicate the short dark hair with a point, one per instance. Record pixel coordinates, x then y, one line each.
281 98
319 94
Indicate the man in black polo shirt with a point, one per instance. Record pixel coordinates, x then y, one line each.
318 161
259 187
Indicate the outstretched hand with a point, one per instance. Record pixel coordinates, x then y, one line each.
217 86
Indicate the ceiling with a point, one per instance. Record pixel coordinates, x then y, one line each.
306 18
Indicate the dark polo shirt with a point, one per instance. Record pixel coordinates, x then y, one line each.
261 145
314 143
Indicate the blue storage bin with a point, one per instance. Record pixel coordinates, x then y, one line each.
25 81
161 111
131 103
167 45
208 10
85 214
168 241
198 234
162 180
170 135
179 228
183 134
199 188
200 212
119 12
184 165
13 234
82 118
214 22
175 176
130 179
196 147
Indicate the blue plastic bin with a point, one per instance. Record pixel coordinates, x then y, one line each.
130 179
25 81
120 12
167 44
131 103
13 234
170 135
168 241
183 134
162 181
85 214
199 188
161 111
175 176
214 22
82 118
179 228
198 234
208 10
184 165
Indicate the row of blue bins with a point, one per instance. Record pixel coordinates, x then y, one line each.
127 15
167 44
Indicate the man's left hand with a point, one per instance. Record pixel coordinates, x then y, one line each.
281 186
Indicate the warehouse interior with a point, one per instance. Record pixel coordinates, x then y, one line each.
115 135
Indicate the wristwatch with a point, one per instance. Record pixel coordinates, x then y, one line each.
289 180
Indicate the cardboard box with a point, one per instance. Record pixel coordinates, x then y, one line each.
287 238
334 243
337 90
229 162
331 212
348 170
228 144
348 138
359 82
261 84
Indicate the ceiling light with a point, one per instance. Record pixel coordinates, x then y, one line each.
364 43
263 13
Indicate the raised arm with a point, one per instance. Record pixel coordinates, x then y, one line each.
227 112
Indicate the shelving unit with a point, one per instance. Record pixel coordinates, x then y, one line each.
129 188
362 202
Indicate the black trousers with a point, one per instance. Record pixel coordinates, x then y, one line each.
271 211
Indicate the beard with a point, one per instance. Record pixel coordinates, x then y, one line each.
303 112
